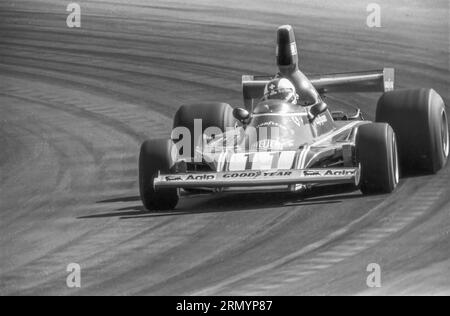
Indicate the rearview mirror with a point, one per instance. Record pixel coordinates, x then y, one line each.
242 115
317 109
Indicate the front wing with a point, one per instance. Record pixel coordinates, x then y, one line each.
250 178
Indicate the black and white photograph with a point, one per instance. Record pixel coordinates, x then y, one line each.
224 153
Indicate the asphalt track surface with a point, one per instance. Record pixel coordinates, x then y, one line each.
75 104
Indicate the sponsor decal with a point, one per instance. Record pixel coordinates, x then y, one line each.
294 48
329 172
248 175
199 177
191 177
320 120
278 174
257 174
309 173
266 144
340 172
388 85
173 178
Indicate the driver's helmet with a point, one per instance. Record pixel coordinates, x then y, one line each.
280 89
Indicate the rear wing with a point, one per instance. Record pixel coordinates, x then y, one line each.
362 81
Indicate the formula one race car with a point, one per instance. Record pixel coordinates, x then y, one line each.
291 145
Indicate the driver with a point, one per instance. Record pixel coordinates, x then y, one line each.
280 89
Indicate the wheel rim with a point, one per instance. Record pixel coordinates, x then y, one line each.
445 134
395 162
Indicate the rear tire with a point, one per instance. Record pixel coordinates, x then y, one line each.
156 156
218 115
419 120
376 152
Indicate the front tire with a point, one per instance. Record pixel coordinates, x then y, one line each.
376 152
420 122
156 156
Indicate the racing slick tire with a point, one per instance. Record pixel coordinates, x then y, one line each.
419 120
376 152
156 156
216 114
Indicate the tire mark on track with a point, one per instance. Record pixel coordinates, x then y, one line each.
294 267
141 25
83 243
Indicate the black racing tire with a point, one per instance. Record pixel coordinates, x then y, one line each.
156 156
377 154
218 115
419 120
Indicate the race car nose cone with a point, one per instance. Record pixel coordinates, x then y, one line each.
287 54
